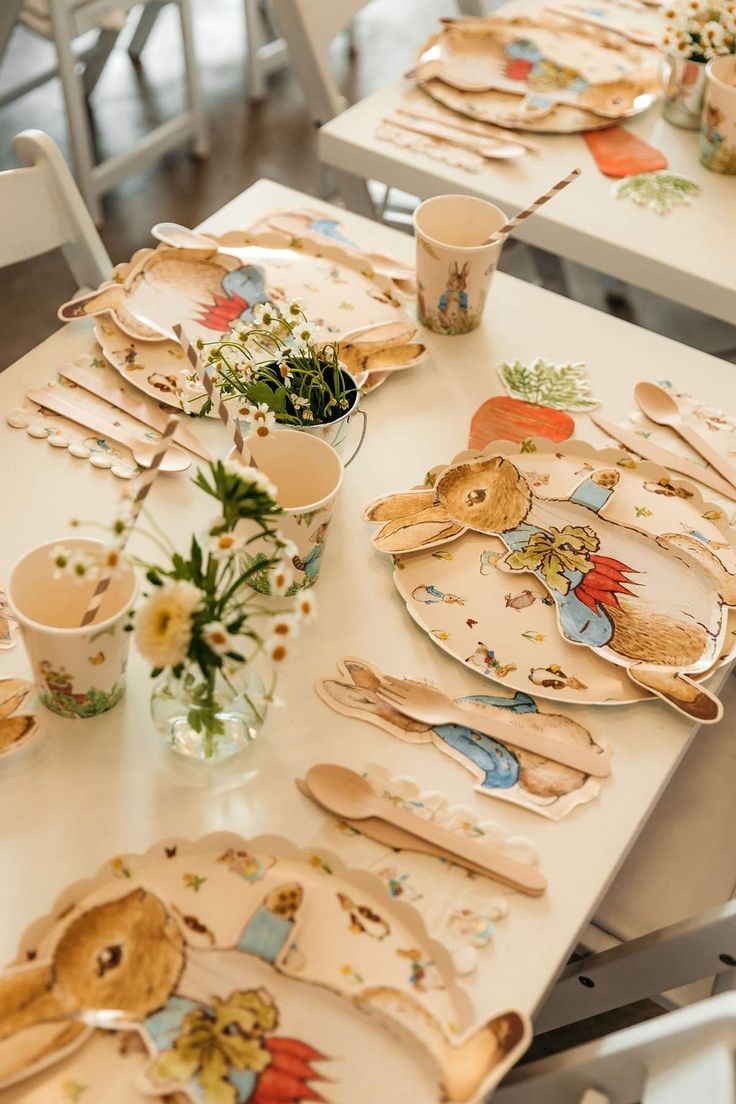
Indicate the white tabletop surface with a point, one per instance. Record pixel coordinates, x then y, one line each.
686 255
102 787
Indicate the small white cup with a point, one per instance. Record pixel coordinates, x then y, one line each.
307 473
78 672
718 128
454 267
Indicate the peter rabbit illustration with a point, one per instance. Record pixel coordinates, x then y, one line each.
453 303
213 1019
653 605
499 767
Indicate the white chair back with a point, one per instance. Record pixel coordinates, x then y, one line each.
683 1057
41 209
309 26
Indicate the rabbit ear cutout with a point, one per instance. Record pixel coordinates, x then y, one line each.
93 302
395 506
361 673
393 358
399 331
13 692
424 529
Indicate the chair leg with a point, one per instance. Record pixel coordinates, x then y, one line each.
80 136
146 23
355 194
97 59
201 138
254 40
9 10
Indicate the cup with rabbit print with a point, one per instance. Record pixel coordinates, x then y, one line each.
79 672
307 473
454 263
718 131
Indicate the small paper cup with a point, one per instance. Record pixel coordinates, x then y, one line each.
307 473
454 267
78 672
718 127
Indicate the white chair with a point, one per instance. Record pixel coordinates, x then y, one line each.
309 27
684 1057
41 209
266 52
63 22
667 927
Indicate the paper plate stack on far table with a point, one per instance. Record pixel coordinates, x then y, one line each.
539 71
210 284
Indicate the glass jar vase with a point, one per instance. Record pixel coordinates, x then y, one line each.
209 720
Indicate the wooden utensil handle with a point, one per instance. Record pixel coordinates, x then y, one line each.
84 417
393 836
589 762
719 462
526 878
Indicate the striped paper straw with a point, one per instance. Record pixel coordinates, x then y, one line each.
533 207
231 424
146 482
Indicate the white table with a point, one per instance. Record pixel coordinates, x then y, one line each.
686 255
99 788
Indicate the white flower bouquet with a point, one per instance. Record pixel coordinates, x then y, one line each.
277 370
699 30
201 623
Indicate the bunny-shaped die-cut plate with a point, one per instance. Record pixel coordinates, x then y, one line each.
244 970
211 289
549 60
654 603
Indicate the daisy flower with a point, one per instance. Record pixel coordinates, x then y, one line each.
292 308
276 650
280 579
225 545
164 624
306 607
266 317
284 627
62 559
262 419
218 638
253 476
305 332
82 567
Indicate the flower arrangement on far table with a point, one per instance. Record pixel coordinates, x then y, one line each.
700 30
277 370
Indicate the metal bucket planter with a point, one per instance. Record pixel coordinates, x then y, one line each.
684 91
335 433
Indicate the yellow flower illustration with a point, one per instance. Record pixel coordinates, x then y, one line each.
554 552
212 1043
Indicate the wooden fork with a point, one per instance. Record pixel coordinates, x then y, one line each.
433 706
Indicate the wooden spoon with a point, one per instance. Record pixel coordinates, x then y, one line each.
391 836
347 794
660 407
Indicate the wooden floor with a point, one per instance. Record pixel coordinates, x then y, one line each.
272 139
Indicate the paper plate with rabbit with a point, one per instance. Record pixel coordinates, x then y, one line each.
583 575
211 289
230 971
547 62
